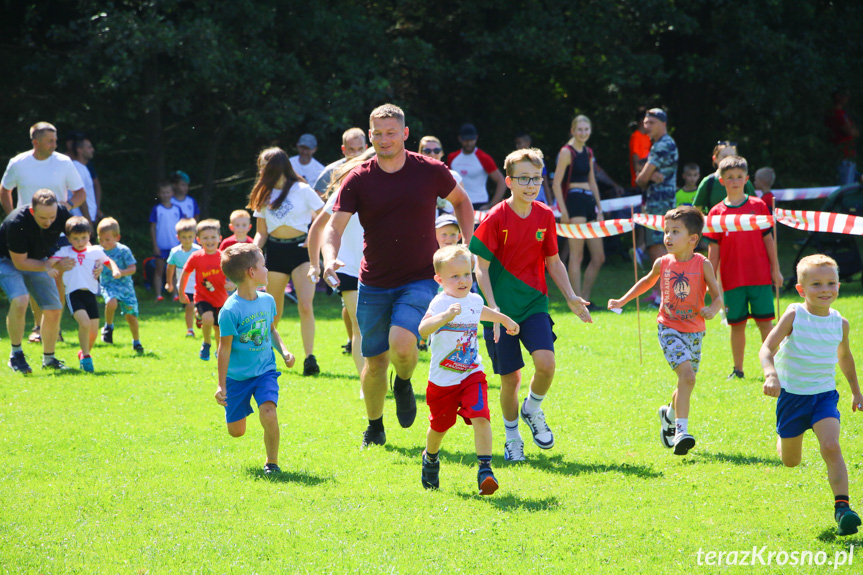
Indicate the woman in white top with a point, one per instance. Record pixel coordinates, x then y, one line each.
431 147
284 206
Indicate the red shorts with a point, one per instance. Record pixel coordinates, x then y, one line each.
468 399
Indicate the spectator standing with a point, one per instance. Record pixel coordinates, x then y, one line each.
304 163
639 146
353 144
180 185
710 190
843 136
83 152
475 168
431 147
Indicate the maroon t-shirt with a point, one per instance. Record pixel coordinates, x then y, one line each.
397 212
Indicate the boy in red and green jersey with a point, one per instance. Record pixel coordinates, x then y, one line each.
515 244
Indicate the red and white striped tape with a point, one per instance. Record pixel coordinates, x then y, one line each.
649 221
790 194
737 223
595 229
820 221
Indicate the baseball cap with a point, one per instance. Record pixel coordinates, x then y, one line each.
467 131
657 113
445 220
308 141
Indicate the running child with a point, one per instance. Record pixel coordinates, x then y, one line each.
118 292
446 230
177 258
163 219
81 286
514 245
684 278
241 225
457 384
210 284
247 366
812 338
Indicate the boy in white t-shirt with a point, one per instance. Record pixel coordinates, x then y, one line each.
81 283
457 384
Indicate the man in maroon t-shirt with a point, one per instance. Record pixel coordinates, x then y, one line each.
395 196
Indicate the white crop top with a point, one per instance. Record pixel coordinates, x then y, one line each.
296 211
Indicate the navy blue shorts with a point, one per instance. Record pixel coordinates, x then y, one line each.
536 332
264 387
378 309
797 413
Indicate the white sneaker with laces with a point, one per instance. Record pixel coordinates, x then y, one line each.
513 450
683 442
542 435
667 428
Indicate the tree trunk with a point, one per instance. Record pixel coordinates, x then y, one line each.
153 134
210 163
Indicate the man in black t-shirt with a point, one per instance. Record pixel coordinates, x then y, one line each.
28 238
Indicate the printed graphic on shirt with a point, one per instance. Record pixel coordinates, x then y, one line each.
463 357
258 334
283 210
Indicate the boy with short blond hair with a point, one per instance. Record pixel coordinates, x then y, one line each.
811 338
210 284
247 366
745 261
457 384
81 286
118 292
241 224
685 277
178 257
514 245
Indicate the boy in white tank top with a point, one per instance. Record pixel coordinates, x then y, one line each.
813 339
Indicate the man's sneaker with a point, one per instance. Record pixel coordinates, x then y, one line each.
190 333
348 348
310 366
667 428
513 450
847 520
205 352
139 349
54 364
406 404
18 363
85 363
108 334
542 435
271 469
431 471
372 437
735 373
683 442
486 480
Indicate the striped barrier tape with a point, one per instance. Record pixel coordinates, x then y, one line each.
820 221
595 229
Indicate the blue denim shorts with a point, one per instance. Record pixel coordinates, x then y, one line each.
264 387
39 285
535 332
378 309
797 413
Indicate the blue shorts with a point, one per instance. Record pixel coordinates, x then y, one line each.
164 253
797 413
39 285
536 332
378 309
264 387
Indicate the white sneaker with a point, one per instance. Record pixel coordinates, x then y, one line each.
667 428
542 435
513 450
683 442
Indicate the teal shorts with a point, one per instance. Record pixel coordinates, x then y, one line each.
744 302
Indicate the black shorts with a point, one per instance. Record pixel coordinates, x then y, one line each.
580 204
284 256
347 283
83 299
203 307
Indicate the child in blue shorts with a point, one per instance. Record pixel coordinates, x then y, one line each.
118 292
247 366
803 377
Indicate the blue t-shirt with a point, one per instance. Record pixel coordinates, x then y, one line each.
663 155
166 225
249 323
123 257
188 206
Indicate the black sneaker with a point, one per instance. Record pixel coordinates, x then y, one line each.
348 348
486 481
430 475
372 437
271 469
18 362
310 366
138 347
406 404
108 334
735 373
847 521
54 364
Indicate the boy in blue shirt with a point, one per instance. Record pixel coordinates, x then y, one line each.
247 366
118 292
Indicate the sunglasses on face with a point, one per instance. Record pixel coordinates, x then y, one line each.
431 150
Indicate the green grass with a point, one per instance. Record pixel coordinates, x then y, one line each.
131 470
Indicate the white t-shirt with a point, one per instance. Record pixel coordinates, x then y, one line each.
310 171
296 211
89 188
29 175
444 205
351 250
474 168
454 347
81 276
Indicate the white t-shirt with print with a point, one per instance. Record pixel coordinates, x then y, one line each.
296 211
351 250
310 171
454 347
81 276
29 175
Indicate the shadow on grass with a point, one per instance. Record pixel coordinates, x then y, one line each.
512 502
557 464
735 458
413 453
300 477
829 536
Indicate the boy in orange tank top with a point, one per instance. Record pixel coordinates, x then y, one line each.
685 276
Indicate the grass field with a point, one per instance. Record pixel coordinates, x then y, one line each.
130 470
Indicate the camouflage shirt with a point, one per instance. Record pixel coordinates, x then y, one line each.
663 155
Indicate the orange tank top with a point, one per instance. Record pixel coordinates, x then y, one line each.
683 289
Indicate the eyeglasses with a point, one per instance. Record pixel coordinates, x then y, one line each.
526 180
431 150
728 143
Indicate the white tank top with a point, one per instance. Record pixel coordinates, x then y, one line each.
806 360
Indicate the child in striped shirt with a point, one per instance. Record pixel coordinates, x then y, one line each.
813 339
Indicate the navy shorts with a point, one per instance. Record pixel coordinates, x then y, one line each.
264 388
379 309
797 413
536 332
164 253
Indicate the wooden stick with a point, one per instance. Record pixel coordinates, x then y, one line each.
776 248
635 273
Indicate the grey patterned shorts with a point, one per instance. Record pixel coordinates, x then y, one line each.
679 347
